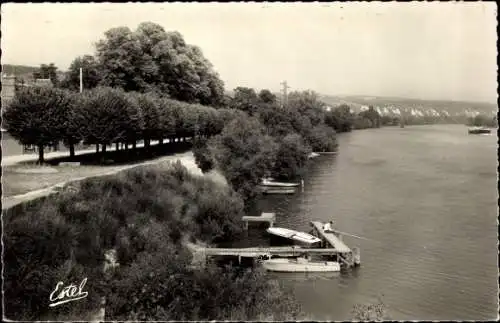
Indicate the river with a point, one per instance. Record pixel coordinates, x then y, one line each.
426 196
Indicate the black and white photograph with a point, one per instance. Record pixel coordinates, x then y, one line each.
249 161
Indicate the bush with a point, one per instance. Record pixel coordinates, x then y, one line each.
162 287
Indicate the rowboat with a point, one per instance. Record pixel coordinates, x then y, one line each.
269 182
294 235
300 264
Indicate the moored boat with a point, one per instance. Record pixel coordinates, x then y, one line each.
479 130
278 190
269 182
294 235
313 155
300 264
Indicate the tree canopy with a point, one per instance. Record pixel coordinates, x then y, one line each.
150 58
37 116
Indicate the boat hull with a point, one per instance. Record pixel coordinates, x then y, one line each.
294 235
277 190
294 266
269 183
476 131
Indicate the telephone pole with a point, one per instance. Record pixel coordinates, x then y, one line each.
285 94
81 80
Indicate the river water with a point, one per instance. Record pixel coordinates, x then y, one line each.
426 196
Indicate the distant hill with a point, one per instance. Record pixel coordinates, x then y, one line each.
453 107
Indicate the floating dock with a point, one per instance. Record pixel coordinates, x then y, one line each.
264 217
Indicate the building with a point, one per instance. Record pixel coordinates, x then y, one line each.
8 89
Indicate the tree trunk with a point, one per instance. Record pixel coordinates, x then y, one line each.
134 144
71 150
147 143
104 148
40 155
160 141
97 148
117 146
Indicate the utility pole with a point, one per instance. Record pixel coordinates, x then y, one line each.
81 80
285 95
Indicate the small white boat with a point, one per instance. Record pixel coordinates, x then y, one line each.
295 235
278 190
293 265
313 155
271 183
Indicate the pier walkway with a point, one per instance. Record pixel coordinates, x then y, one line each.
330 238
289 251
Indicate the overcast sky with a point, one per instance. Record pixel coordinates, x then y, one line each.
418 50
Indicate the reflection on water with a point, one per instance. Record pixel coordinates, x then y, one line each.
426 197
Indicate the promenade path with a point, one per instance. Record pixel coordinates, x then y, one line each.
16 159
186 158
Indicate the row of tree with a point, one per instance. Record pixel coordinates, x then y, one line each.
44 116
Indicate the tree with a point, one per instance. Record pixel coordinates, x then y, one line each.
151 59
291 157
244 153
245 99
341 119
91 75
47 72
37 116
150 106
372 115
307 103
71 127
267 97
106 116
322 139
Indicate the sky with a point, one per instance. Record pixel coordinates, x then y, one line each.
416 50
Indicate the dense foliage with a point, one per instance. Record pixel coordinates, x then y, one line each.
149 59
145 214
481 120
267 139
38 116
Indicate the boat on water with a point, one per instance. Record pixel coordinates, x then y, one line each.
278 190
294 235
313 155
479 130
270 182
300 264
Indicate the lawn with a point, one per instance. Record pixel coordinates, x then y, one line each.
26 177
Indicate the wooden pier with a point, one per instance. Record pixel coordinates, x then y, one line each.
349 257
264 217
287 251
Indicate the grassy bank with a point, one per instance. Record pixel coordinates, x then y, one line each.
144 214
25 177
